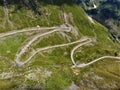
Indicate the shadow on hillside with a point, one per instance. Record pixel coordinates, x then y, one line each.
33 5
18 4
58 2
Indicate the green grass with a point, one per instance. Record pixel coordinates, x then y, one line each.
26 18
10 45
60 79
4 85
56 60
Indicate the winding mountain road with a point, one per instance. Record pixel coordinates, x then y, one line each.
19 63
89 63
75 48
63 28
96 60
25 30
23 50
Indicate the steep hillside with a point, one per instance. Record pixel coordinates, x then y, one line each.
44 43
106 12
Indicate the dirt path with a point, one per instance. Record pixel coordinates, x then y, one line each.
23 50
96 60
25 30
88 40
49 47
62 28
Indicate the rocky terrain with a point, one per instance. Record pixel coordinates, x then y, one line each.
107 12
57 44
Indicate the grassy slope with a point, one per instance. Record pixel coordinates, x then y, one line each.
55 61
